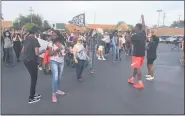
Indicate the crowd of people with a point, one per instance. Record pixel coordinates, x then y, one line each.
78 50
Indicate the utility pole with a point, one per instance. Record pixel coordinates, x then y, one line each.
164 16
159 11
31 10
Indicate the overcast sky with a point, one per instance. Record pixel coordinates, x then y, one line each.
106 12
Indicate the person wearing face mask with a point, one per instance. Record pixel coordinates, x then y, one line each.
8 48
80 57
30 58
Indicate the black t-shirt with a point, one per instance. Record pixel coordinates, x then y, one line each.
152 47
30 43
138 41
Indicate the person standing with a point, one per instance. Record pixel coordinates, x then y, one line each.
30 59
8 48
91 49
80 57
17 45
151 54
56 53
107 42
138 41
115 42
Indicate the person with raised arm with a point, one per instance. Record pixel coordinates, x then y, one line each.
138 41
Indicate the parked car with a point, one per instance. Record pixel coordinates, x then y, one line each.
163 38
172 39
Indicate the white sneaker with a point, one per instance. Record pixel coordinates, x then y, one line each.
147 76
60 92
103 58
99 58
150 78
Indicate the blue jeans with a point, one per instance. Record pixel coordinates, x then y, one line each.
91 60
115 51
56 69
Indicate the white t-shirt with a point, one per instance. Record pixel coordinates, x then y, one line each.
123 40
59 57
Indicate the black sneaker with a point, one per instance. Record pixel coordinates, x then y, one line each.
37 96
33 100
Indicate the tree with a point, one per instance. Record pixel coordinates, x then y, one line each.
130 26
45 25
28 26
176 24
23 20
119 23
154 26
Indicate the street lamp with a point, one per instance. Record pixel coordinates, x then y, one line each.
159 11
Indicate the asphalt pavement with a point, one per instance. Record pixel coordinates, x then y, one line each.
105 92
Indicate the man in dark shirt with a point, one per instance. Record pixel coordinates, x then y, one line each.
138 42
30 56
151 55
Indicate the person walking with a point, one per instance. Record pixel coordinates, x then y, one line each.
80 57
56 53
151 54
30 59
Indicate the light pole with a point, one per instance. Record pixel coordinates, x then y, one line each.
159 11
31 10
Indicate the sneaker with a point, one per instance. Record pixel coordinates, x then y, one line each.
54 98
40 68
149 78
92 71
131 80
60 92
103 58
37 96
99 58
33 100
138 85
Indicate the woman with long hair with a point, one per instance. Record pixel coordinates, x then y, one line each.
56 53
17 45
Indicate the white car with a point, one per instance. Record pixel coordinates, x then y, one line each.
173 38
163 38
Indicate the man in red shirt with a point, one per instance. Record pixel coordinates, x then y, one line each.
138 41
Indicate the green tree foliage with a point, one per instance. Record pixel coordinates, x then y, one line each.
28 26
45 25
177 24
37 20
119 23
130 26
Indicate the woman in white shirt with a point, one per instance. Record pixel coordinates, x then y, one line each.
56 53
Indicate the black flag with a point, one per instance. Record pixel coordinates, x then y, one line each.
78 20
